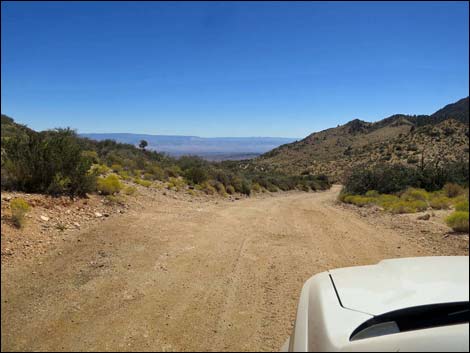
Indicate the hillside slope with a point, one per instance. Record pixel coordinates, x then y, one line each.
415 140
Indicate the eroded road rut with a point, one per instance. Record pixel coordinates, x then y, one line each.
187 276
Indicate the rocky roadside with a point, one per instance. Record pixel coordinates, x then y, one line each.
426 228
52 220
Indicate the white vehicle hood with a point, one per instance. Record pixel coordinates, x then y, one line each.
402 283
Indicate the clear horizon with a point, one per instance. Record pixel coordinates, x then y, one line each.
229 69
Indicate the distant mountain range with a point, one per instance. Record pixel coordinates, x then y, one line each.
408 139
213 148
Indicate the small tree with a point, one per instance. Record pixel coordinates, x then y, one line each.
143 144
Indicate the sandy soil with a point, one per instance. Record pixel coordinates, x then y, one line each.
179 275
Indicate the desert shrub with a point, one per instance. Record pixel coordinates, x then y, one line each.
419 205
34 161
179 182
359 200
230 189
386 201
130 190
390 203
415 194
100 169
188 162
173 171
256 187
91 155
385 179
196 175
440 203
208 188
116 168
372 193
220 188
236 182
148 176
245 188
176 183
59 185
458 221
19 207
145 183
115 200
272 188
453 190
124 175
221 176
462 206
137 173
155 172
389 179
403 206
109 185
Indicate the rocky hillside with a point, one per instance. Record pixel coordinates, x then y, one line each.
416 140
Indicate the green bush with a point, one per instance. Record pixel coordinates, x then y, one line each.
458 221
246 188
272 188
359 200
372 193
149 176
124 175
386 201
393 178
415 194
59 185
91 155
48 161
19 207
403 206
256 187
385 179
440 203
230 189
100 169
208 188
116 168
196 175
462 206
156 173
145 183
453 190
173 171
220 188
109 185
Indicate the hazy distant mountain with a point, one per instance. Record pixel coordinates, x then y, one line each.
408 139
214 148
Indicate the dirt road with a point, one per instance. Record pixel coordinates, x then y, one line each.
187 276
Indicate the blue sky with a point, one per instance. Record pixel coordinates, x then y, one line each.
227 68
